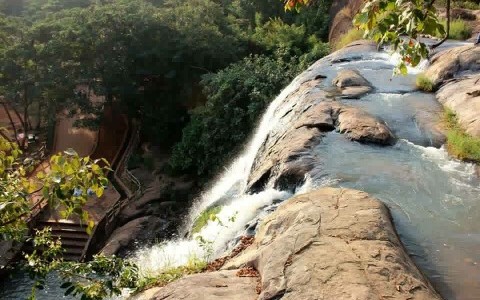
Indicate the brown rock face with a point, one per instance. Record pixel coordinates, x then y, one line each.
341 14
332 244
451 62
360 126
352 84
326 244
462 96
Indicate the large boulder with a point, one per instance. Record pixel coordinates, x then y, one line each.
326 244
462 96
453 62
287 156
138 231
354 51
341 14
352 84
332 244
360 126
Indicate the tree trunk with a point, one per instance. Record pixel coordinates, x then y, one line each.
39 115
11 122
447 30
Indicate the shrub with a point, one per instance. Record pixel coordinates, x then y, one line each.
424 83
459 143
348 37
459 29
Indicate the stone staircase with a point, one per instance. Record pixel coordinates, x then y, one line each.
73 236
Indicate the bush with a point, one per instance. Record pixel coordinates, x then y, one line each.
237 96
467 4
459 143
348 37
424 83
459 29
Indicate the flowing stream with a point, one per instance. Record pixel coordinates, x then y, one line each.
433 199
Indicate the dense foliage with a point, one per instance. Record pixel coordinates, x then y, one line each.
150 56
237 95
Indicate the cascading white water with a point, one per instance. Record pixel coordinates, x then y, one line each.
238 207
234 180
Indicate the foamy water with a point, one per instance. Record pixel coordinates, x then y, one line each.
212 240
238 207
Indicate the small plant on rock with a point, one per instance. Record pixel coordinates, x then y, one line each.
424 83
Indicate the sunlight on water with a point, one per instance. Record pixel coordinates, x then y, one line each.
218 233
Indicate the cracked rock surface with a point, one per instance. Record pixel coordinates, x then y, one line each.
332 244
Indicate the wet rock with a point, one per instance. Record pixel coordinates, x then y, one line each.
352 84
452 63
355 92
332 244
122 237
360 126
354 51
208 286
462 96
346 78
428 117
142 229
287 156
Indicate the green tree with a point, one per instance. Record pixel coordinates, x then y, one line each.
401 24
237 96
67 186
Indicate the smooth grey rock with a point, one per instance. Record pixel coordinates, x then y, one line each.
462 96
450 63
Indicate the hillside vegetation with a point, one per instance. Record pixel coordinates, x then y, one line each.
197 73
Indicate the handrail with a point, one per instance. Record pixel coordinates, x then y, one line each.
107 222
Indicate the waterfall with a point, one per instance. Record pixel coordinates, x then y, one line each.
233 181
238 207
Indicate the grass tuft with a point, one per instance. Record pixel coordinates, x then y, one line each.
459 143
459 29
193 266
424 83
348 37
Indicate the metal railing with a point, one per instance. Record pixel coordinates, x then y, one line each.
107 224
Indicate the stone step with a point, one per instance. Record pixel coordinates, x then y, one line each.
69 243
71 235
63 226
